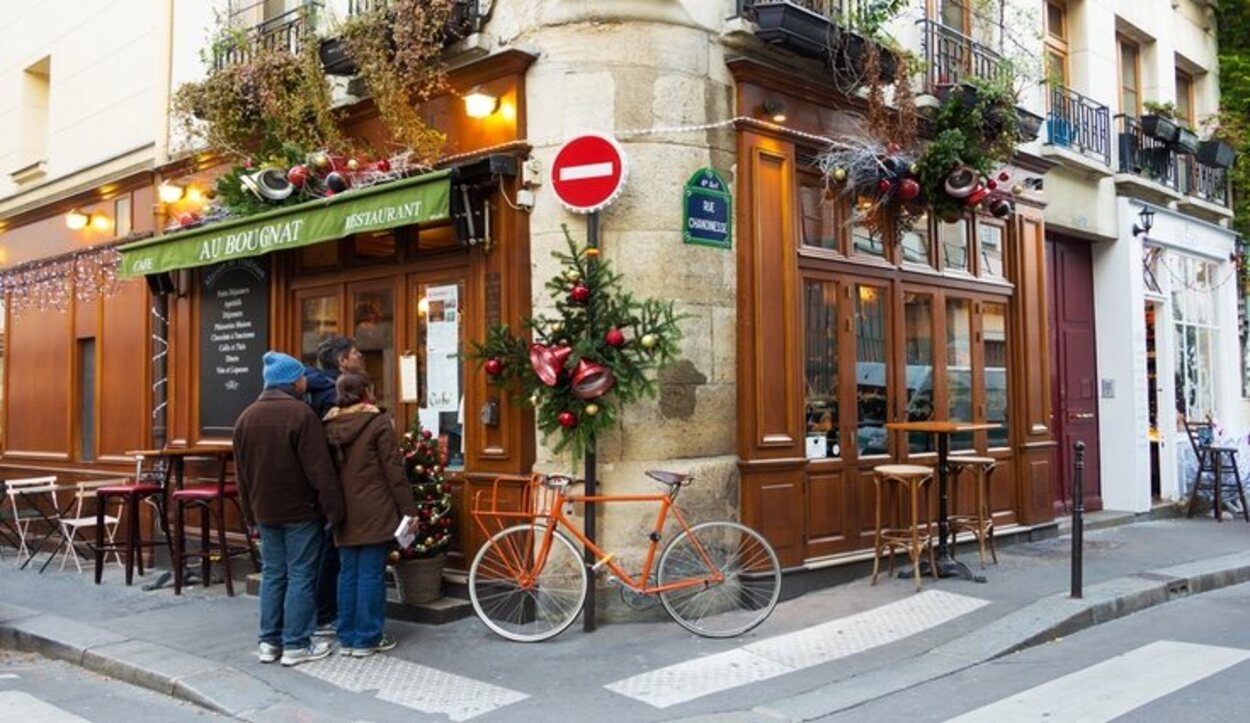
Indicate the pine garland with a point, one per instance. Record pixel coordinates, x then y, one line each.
597 323
431 491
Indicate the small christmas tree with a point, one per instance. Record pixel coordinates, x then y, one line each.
597 354
432 492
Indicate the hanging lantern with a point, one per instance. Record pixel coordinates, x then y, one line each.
548 361
591 380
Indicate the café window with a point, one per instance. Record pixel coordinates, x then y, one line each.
319 318
819 209
959 367
871 370
953 242
373 330
1193 313
915 237
990 247
820 355
918 356
867 232
994 336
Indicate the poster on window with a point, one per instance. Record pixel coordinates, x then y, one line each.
442 350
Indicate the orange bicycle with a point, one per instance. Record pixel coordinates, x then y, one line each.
528 582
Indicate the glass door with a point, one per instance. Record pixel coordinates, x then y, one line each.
373 329
319 316
436 301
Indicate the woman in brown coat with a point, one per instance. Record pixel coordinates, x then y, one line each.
376 496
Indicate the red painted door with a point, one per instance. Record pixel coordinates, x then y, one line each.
1073 369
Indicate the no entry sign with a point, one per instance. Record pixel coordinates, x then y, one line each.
588 172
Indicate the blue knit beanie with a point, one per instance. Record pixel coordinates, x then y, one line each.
281 370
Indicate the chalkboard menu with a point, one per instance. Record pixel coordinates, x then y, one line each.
234 335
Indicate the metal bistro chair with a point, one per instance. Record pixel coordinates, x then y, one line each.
78 518
1214 463
21 517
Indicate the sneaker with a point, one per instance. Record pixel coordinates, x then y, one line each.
325 631
384 644
269 653
316 650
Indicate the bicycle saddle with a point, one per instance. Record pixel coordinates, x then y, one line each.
669 478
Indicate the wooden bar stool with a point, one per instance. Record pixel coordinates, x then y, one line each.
981 522
210 500
129 495
912 485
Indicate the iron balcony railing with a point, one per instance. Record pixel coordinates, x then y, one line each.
282 32
1079 123
1205 182
1144 156
950 57
848 14
465 16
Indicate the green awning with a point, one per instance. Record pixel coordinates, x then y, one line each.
414 200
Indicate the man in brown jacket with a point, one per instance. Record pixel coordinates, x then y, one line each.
289 491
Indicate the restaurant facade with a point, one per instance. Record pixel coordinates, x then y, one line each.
801 340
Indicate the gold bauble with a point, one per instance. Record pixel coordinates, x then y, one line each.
591 410
839 174
649 341
1017 190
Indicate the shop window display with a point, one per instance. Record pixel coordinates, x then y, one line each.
319 319
953 242
994 333
373 331
990 244
1193 312
918 320
959 368
916 240
820 354
871 370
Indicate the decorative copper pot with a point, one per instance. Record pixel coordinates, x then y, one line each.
591 380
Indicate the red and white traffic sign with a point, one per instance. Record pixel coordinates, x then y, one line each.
589 172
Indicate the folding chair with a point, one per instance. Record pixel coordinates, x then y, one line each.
8 533
72 522
21 517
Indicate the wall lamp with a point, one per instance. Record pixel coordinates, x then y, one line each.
169 193
76 220
101 222
775 110
480 104
1145 222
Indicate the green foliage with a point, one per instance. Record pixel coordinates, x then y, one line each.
583 327
981 135
871 18
238 201
1231 125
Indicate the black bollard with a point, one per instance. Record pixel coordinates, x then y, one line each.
1078 516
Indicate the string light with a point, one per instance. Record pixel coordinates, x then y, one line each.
51 283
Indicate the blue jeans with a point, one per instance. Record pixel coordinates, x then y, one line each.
327 583
362 595
291 554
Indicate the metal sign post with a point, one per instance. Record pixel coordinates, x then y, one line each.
591 483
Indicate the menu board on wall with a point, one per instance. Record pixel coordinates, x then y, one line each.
234 335
442 353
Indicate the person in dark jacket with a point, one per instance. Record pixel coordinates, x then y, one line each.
288 491
376 495
335 355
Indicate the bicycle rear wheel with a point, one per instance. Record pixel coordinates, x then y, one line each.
746 596
517 601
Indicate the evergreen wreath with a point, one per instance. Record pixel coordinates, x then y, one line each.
597 354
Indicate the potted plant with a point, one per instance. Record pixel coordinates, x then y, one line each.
784 23
1160 121
418 567
1186 141
335 59
1028 125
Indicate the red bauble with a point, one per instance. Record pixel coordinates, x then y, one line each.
1004 176
614 337
426 434
187 219
383 165
494 367
883 186
991 184
908 189
568 420
580 294
298 176
893 148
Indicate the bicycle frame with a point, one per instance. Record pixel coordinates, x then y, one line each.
556 518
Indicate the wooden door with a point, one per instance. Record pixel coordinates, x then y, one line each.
1074 374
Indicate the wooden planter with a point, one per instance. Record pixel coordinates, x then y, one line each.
1216 154
421 580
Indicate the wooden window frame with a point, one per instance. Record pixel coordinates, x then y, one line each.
1187 118
1122 42
1058 46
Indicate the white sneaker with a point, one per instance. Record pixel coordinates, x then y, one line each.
325 631
269 653
316 650
383 645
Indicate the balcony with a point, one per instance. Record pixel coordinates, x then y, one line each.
951 58
1157 161
1203 182
1079 124
825 29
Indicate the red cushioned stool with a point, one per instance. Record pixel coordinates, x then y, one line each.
130 496
210 500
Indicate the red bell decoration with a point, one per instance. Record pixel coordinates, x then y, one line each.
591 380
979 194
908 189
494 367
568 420
961 182
580 294
548 362
614 337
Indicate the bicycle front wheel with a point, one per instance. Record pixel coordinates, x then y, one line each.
520 602
742 600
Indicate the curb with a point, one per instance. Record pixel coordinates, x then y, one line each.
207 683
1040 622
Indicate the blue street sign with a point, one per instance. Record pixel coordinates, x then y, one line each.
708 217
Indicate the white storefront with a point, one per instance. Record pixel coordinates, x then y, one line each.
1182 274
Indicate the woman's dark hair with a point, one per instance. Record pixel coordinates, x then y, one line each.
331 349
353 389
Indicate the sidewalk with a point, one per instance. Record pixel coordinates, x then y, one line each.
201 646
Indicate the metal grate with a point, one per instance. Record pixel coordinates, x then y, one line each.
1079 123
950 57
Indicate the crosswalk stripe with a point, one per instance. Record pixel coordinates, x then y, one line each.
1113 687
415 686
782 654
26 707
